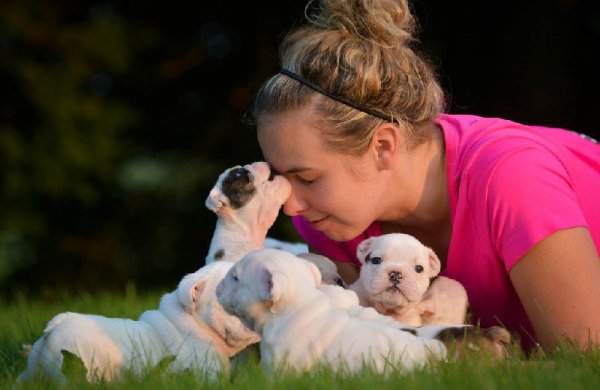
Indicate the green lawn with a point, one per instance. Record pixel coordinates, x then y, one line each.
23 320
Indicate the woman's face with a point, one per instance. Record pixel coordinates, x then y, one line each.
338 194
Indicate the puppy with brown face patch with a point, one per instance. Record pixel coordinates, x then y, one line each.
246 200
399 278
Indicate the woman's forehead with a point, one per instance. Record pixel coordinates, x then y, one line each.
291 142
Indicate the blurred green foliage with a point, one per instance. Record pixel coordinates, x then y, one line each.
100 183
117 117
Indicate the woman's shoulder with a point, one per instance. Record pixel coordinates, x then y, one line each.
475 143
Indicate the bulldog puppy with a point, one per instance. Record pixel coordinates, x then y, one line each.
275 293
332 283
399 278
329 273
296 248
494 342
189 325
246 200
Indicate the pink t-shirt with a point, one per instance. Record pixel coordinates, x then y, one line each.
510 186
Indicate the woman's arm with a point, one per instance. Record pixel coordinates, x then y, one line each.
558 282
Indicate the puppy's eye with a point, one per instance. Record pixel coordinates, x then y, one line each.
376 260
419 268
339 282
235 278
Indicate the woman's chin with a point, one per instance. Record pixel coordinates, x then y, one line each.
340 234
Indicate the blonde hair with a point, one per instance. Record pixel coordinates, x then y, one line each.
361 51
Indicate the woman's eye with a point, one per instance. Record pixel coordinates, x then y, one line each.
419 268
305 181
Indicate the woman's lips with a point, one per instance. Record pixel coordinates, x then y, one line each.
318 222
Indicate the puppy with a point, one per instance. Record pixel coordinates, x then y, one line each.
189 325
296 248
399 278
275 293
329 273
246 200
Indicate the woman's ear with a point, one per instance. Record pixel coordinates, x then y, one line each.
385 144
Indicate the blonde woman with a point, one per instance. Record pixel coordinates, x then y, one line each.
355 120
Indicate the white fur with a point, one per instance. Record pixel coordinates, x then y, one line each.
296 248
189 325
328 269
412 300
276 294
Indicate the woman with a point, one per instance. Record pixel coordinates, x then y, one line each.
355 121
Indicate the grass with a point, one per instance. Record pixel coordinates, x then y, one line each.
23 320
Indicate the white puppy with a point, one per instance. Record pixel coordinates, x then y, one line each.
399 278
332 283
246 200
328 269
296 248
276 294
189 325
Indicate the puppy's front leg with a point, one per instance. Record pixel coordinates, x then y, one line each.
426 310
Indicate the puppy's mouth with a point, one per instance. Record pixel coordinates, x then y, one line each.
246 320
392 293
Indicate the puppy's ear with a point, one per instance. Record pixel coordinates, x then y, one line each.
272 288
316 274
189 290
434 262
216 200
363 249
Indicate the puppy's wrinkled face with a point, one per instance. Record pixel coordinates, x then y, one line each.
249 189
265 282
396 270
196 293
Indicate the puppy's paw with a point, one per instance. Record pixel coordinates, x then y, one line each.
493 341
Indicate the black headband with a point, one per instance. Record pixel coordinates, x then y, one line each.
317 88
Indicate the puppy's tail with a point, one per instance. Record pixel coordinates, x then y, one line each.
33 361
40 356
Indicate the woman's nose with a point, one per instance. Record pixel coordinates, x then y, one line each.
294 205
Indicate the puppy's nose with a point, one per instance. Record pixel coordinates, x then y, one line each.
271 174
395 277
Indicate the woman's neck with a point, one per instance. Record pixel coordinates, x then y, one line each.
427 208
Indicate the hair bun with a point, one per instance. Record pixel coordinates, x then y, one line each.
384 22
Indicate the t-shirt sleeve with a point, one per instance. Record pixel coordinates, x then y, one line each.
529 196
319 241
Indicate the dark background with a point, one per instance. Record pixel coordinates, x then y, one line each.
116 118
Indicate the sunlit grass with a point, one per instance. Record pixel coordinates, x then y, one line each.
23 321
